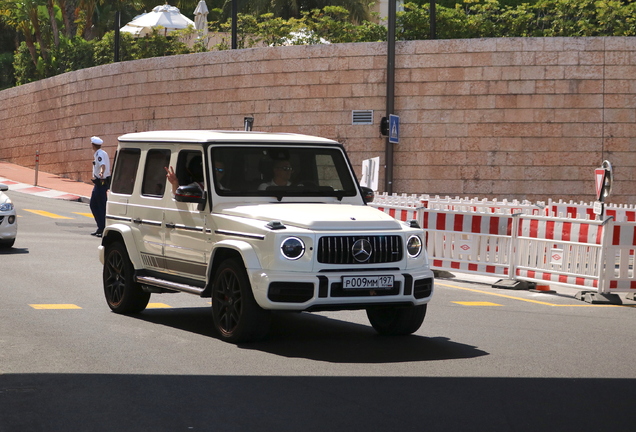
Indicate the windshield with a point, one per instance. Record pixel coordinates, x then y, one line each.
281 171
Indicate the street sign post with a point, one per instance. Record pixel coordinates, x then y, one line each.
603 178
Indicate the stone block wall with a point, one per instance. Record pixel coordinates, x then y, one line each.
525 118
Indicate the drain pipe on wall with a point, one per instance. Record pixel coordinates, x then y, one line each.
390 95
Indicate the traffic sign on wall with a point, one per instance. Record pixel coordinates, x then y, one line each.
394 129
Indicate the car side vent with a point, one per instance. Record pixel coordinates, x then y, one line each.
362 117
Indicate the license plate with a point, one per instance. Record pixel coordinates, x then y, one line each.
367 282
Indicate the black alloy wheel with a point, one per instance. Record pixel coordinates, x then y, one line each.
237 316
123 294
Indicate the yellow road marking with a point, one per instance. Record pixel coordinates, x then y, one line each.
476 303
158 306
529 300
90 215
47 214
54 306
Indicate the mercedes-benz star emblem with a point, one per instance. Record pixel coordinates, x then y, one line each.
361 250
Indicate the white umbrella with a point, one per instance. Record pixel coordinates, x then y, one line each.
165 16
201 18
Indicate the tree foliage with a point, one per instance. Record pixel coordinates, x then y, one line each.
52 39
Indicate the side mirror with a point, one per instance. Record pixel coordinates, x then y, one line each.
190 194
3 187
367 194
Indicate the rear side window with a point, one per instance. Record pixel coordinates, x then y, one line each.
125 171
154 183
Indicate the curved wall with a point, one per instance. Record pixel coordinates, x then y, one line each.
526 118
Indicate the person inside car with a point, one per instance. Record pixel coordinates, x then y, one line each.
195 171
281 175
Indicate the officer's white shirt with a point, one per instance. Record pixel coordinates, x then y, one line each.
101 158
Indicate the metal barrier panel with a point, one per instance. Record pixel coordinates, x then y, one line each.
619 267
469 242
578 253
560 251
401 213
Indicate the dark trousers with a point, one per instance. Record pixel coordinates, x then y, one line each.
98 204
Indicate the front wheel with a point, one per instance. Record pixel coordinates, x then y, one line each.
7 243
394 320
237 316
123 294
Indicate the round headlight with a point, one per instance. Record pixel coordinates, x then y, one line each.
292 248
414 246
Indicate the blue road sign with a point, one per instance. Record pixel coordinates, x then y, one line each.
394 129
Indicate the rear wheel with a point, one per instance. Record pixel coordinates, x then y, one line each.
393 320
237 316
123 294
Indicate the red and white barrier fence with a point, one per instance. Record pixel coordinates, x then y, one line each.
560 251
468 242
526 246
580 210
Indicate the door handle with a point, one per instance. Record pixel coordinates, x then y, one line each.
170 225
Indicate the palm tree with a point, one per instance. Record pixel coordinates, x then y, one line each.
22 15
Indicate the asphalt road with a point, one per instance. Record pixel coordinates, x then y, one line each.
485 359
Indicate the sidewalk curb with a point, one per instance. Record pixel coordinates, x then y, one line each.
42 191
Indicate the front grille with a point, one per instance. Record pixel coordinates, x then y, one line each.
1 219
338 249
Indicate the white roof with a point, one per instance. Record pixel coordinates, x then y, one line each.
208 136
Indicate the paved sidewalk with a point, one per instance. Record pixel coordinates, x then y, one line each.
22 179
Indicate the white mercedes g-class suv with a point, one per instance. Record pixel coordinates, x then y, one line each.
259 222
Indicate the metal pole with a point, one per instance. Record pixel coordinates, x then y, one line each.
390 95
117 26
234 23
37 166
433 20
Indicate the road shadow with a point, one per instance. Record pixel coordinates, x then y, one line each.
13 251
320 338
122 403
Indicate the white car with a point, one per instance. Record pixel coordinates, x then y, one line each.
8 219
259 222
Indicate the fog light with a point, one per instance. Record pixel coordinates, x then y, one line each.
11 219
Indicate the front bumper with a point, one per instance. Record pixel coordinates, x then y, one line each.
324 291
8 231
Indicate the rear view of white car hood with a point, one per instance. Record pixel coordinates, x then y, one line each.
319 217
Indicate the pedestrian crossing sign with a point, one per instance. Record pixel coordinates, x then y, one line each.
394 129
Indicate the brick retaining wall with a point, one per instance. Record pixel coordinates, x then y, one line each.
525 118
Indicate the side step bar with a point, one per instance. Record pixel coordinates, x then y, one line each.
173 286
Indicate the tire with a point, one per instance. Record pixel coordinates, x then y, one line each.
237 316
123 294
393 320
7 243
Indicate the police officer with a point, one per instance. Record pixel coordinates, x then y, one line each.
101 180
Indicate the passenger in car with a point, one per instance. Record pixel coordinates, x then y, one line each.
195 171
219 173
281 175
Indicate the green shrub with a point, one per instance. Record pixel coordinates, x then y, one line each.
7 77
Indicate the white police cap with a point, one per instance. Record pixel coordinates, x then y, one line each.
97 140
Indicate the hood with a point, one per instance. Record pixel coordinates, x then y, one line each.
332 217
